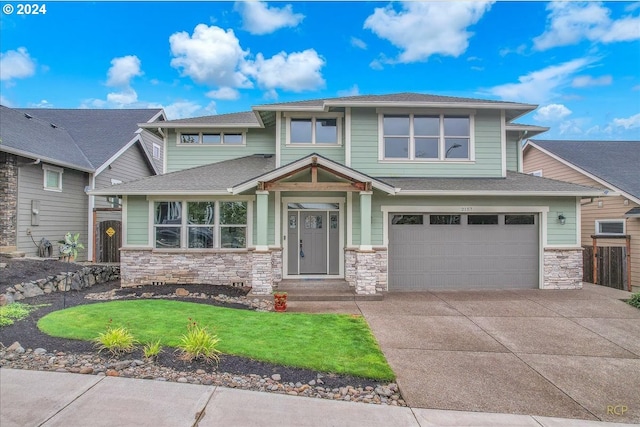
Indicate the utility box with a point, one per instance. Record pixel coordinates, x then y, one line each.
35 212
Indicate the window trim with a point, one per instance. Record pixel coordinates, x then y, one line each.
222 132
441 139
333 115
48 168
158 149
184 226
601 221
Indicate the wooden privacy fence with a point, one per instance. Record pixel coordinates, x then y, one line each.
608 265
109 241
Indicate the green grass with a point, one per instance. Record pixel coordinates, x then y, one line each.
341 344
16 311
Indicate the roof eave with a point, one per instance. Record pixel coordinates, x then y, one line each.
164 125
45 159
179 193
402 192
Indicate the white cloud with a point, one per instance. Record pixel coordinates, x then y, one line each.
42 104
352 91
226 93
422 29
360 44
541 86
181 109
16 64
572 127
297 71
209 56
551 113
122 70
569 23
519 50
586 81
258 18
632 122
123 98
5 101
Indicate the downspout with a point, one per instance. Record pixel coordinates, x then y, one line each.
520 155
91 225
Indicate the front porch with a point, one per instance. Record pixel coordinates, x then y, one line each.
322 290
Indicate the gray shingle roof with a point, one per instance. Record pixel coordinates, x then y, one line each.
20 134
615 162
407 97
216 178
98 133
244 117
208 179
514 183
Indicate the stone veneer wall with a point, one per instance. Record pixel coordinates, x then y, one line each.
366 270
8 201
562 269
251 268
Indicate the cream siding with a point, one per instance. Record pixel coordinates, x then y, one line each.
59 212
612 207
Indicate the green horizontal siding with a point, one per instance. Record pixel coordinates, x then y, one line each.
512 154
259 141
137 221
364 150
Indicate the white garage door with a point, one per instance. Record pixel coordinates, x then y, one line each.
463 251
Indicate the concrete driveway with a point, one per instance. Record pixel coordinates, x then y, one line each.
572 354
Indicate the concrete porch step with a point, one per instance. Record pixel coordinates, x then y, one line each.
322 290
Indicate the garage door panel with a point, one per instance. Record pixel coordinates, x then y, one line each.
463 256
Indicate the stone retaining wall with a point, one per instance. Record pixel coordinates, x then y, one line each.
84 278
562 269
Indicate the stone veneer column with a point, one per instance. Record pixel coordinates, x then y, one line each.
366 272
8 202
261 273
562 269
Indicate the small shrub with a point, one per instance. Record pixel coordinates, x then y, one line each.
116 340
198 343
635 300
16 311
152 349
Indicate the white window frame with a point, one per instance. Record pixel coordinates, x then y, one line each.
184 226
45 170
442 136
610 221
157 151
313 117
221 132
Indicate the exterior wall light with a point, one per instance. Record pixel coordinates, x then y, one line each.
561 218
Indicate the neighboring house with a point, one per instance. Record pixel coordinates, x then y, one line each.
390 192
49 158
611 165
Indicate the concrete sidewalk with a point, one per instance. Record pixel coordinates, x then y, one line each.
35 398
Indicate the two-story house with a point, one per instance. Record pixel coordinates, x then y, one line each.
389 192
50 157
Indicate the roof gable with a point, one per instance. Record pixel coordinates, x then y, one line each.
614 163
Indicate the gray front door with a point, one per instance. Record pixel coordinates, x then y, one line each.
313 242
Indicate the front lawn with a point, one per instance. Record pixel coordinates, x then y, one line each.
342 344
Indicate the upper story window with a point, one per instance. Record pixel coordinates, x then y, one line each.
52 178
212 138
324 129
436 137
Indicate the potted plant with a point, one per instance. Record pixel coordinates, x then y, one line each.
280 301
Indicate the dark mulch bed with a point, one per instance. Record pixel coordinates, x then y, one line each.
28 335
20 270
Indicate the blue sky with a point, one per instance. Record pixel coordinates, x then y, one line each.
580 61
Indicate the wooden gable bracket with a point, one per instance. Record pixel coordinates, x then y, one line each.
315 185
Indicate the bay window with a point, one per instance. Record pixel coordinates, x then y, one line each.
200 224
425 137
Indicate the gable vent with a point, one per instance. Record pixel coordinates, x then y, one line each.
28 116
53 125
